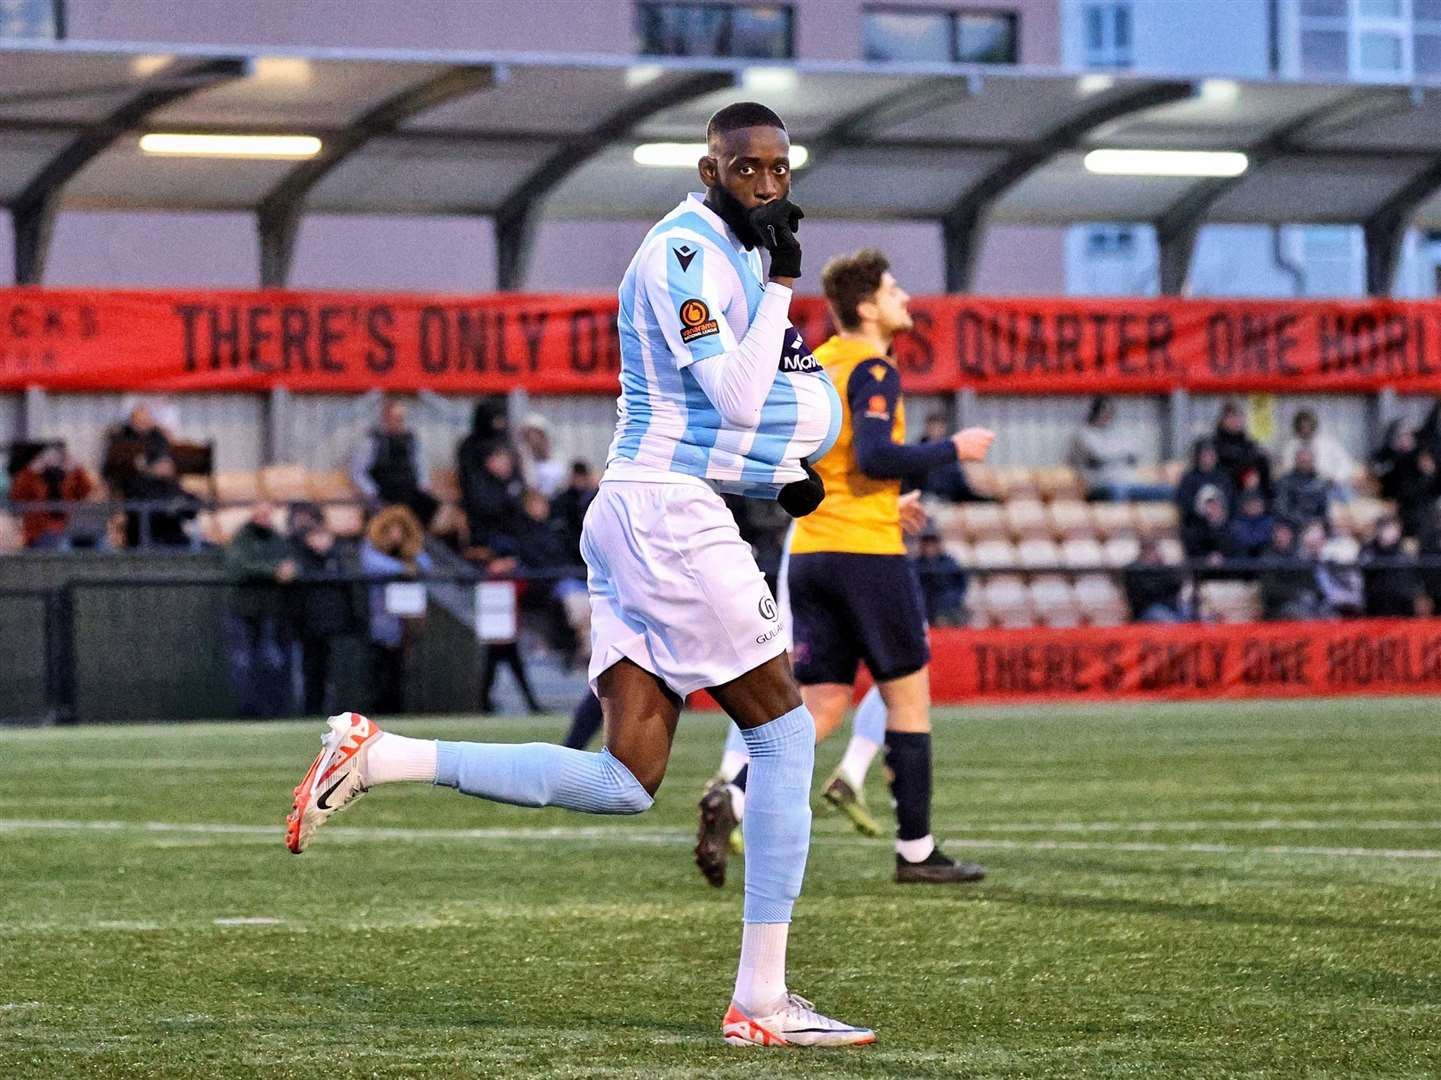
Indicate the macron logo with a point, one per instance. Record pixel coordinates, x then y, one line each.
685 255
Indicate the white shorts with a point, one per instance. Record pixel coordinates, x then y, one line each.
674 588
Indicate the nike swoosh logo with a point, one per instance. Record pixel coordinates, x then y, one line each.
320 802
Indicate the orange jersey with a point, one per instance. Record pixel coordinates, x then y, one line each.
860 514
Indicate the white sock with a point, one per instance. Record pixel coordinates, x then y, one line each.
761 978
916 850
394 757
738 801
732 762
860 752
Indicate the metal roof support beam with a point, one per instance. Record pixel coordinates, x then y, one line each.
1180 223
32 211
516 216
854 129
278 214
1385 229
964 222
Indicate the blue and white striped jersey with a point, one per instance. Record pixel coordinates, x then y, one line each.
690 293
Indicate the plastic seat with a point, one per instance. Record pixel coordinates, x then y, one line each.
1101 600
1038 553
237 487
1008 602
229 520
1016 481
345 519
961 551
1121 550
1172 553
1083 553
1027 518
1341 548
994 552
947 519
1054 603
1070 518
1059 482
330 485
1362 515
1113 519
984 521
285 483
1157 518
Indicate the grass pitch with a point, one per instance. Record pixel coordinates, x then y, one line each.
1227 890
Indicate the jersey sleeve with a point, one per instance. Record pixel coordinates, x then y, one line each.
873 391
689 285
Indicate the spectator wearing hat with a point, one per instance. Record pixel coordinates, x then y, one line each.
1205 536
1249 533
1238 454
542 470
394 547
943 582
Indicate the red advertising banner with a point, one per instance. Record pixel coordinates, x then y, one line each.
67 339
1142 662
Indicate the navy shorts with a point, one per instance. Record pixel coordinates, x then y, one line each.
847 608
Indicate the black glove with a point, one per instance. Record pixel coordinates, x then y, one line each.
801 497
776 223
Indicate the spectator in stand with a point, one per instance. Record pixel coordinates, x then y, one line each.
1301 585
948 481
165 523
1237 453
1153 589
1205 471
542 470
49 476
394 547
1429 551
388 468
259 563
943 582
1288 585
1303 494
1393 583
137 439
1428 435
491 491
303 517
1332 461
1205 537
1340 586
1249 535
559 592
1106 459
568 508
323 612
1407 474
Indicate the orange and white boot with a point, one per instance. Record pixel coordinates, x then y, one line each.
335 779
794 1023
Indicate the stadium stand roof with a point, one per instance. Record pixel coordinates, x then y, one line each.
511 135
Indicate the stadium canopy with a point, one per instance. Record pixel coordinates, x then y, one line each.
513 135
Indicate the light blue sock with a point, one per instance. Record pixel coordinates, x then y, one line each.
541 774
778 814
870 718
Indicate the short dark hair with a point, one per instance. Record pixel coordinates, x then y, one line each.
851 280
741 114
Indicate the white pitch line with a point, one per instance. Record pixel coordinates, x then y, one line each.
1265 825
682 837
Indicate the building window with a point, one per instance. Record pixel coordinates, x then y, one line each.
1107 32
940 36
31 19
754 31
1387 40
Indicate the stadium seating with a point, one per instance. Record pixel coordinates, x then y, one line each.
1230 601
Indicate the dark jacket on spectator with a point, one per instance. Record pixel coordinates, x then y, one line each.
1200 538
251 560
1404 477
1289 588
123 446
1302 497
943 589
1148 584
322 606
1390 590
567 510
1249 536
1238 455
493 507
167 527
1195 478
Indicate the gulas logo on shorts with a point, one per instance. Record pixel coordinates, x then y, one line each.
696 321
767 608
